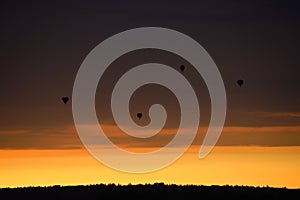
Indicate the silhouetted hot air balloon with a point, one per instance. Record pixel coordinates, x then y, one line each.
65 99
182 67
240 82
139 115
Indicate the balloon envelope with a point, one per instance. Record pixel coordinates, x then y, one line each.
240 82
139 115
182 67
65 99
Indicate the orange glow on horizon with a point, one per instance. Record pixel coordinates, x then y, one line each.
256 166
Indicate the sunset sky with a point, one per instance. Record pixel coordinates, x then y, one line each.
44 43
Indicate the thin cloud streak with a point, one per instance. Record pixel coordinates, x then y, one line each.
68 138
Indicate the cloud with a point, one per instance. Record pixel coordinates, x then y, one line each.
67 138
13 132
40 139
278 114
260 136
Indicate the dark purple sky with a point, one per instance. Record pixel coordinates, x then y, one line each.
43 44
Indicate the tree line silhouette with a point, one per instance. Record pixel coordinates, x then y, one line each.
148 191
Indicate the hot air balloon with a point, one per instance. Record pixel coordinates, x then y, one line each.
182 67
65 99
240 82
139 115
